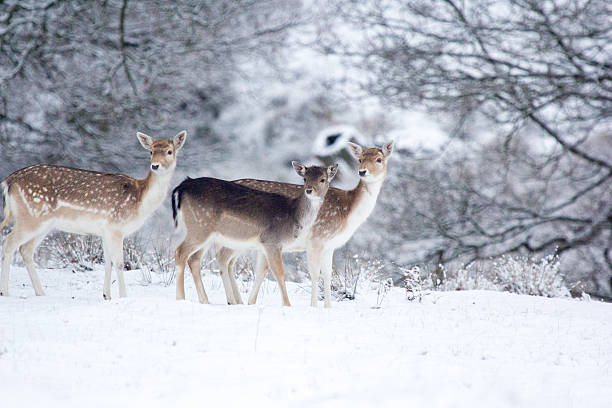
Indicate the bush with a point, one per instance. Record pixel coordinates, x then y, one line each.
530 277
515 274
413 282
358 274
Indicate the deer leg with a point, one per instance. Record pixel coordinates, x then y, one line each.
231 271
117 256
195 265
261 265
275 261
224 259
314 268
27 253
179 260
108 267
181 255
326 266
15 239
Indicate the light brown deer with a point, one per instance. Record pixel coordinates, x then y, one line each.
340 215
239 217
43 198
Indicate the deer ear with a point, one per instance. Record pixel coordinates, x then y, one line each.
299 168
145 140
331 171
179 140
355 149
387 148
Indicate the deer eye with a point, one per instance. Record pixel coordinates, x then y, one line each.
169 152
359 160
304 179
379 160
151 153
322 180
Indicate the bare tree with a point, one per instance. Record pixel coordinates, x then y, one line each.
88 74
538 75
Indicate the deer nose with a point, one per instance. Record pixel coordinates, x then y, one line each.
155 166
309 191
362 173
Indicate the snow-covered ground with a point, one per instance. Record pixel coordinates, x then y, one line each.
71 348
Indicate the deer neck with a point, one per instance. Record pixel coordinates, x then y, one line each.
154 189
367 191
362 202
306 213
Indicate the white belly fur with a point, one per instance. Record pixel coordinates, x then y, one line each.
228 242
80 225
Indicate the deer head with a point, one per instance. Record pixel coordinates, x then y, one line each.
316 179
163 152
372 161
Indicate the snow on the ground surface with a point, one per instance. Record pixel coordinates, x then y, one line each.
71 348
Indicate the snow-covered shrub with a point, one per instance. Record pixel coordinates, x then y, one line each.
413 283
160 259
134 251
474 276
359 273
510 273
60 250
530 276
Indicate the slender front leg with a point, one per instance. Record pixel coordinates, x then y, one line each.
117 255
108 267
195 265
275 261
261 265
314 268
27 253
326 266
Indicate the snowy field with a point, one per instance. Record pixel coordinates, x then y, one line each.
455 349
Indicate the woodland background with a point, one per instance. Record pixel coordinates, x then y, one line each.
501 112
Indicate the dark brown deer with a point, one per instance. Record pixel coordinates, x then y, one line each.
43 198
239 217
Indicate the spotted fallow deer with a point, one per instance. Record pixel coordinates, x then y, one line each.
341 213
239 217
43 198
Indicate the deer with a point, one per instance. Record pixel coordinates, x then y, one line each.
42 198
341 213
235 216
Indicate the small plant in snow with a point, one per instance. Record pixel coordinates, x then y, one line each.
384 287
134 250
357 272
413 283
160 259
438 276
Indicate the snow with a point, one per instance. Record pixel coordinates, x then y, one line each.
455 349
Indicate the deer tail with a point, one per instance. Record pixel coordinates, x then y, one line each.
176 204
